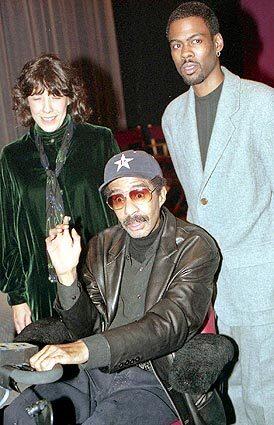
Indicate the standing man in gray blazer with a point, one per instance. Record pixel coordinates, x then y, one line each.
220 135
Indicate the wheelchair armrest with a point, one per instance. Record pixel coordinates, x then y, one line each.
198 364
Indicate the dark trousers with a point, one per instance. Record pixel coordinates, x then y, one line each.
132 396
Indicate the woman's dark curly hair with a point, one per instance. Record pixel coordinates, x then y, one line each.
49 72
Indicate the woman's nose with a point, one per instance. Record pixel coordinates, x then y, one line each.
47 106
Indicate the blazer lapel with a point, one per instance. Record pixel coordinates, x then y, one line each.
189 143
224 126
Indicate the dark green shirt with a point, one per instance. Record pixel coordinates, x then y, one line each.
24 273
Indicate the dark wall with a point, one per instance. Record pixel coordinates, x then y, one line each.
149 77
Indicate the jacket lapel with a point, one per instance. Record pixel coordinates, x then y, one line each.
161 271
224 126
114 272
189 143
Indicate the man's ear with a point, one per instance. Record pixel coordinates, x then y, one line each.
219 42
162 196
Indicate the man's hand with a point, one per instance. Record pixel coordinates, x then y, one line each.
21 316
72 353
64 250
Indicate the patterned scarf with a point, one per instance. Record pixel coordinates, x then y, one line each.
54 199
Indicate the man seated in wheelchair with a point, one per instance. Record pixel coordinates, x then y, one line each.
143 292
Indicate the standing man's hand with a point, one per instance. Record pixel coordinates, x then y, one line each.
64 250
21 316
72 353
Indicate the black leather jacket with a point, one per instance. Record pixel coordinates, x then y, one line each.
177 300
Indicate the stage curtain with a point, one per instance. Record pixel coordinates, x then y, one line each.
79 31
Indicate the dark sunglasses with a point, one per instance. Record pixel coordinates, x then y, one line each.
137 196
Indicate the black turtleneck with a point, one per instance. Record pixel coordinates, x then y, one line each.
138 247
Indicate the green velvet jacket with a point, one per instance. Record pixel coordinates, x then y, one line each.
24 273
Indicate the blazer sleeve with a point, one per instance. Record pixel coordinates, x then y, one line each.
12 276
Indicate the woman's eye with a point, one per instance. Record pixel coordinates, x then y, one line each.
196 41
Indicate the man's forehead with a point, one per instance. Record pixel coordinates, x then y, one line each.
187 26
125 183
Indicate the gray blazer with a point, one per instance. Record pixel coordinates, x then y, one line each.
232 198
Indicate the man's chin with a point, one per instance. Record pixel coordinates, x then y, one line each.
194 80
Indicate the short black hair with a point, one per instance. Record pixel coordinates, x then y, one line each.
195 8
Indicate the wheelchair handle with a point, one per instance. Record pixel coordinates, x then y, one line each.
23 374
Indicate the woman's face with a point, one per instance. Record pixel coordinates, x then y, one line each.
47 110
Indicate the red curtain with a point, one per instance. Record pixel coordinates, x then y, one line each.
258 31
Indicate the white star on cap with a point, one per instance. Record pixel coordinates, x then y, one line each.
123 162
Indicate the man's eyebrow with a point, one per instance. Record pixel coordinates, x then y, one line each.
197 34
134 186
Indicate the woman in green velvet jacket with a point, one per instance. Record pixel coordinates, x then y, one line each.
55 169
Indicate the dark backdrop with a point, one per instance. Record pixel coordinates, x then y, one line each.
150 80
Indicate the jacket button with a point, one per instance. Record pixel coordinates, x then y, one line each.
204 201
120 365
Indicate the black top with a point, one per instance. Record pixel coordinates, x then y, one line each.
206 108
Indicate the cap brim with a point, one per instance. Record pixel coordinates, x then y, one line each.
130 174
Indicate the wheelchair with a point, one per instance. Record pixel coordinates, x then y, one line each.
197 367
16 375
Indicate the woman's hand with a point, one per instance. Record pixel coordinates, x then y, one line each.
72 353
21 316
64 250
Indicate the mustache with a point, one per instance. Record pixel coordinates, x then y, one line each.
138 218
190 61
